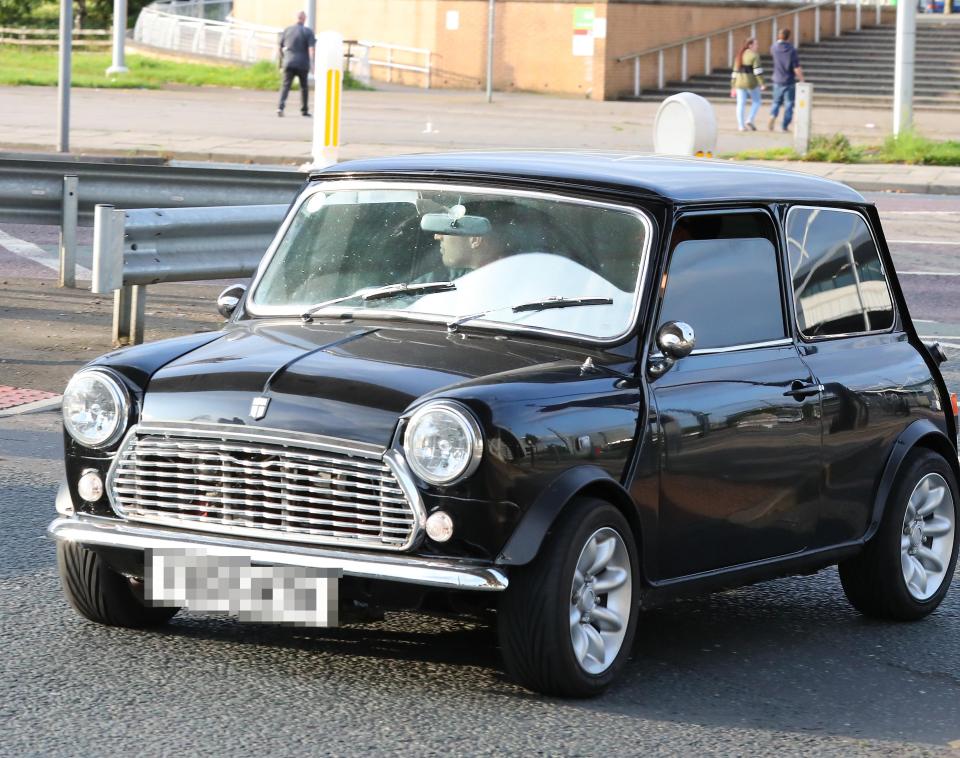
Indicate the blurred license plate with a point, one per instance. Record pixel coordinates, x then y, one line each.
203 580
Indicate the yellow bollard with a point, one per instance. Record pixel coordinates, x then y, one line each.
327 97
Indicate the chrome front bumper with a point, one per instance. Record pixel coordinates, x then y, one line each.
431 572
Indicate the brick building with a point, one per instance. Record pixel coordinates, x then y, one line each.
558 46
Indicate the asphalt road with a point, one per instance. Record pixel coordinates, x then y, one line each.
784 667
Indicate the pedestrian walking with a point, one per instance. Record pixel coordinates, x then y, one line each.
786 73
297 46
747 82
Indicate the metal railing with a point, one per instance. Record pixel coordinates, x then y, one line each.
216 10
65 192
815 7
230 40
160 26
134 248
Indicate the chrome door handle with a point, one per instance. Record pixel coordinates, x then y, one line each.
799 390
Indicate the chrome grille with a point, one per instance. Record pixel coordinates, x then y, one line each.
261 483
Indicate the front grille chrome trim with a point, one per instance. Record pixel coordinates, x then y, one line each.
307 489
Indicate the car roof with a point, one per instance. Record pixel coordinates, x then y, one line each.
681 180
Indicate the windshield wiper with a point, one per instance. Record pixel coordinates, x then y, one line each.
537 305
381 293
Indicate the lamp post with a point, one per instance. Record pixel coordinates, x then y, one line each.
904 66
119 37
63 83
490 18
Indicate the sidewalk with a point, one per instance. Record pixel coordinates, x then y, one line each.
241 126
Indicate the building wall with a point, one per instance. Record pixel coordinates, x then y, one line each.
534 39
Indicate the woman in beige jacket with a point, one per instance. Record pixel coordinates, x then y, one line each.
747 81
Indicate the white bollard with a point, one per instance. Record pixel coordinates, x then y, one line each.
326 108
804 117
685 124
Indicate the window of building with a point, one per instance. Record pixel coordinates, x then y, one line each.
838 282
723 280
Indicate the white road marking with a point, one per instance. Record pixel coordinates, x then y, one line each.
36 254
923 242
939 336
928 273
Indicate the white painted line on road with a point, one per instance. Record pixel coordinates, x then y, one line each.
38 405
36 254
928 273
939 336
923 242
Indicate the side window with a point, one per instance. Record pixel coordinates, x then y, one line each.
723 280
838 282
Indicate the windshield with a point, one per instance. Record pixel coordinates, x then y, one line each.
372 251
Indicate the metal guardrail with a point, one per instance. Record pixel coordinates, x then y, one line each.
134 248
65 192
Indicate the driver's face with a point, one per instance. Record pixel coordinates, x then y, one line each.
458 252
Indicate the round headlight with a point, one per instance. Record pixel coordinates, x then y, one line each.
95 408
443 443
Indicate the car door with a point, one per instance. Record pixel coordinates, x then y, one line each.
740 416
875 383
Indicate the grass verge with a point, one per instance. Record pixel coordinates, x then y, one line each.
39 67
906 148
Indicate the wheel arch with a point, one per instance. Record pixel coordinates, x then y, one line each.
920 434
583 481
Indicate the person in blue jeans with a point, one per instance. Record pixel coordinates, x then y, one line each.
747 82
786 73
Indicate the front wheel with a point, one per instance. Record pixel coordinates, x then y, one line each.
905 570
100 594
568 619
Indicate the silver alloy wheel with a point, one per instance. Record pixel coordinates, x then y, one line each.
926 542
600 600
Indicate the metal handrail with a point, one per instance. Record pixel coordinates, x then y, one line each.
726 29
707 37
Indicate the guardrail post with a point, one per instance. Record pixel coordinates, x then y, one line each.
796 29
389 64
837 23
879 9
68 232
326 130
429 67
636 76
816 24
707 56
107 273
858 14
129 306
661 79
683 62
773 31
119 37
753 30
730 48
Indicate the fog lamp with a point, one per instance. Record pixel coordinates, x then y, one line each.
439 526
90 486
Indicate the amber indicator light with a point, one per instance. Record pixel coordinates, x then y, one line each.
953 402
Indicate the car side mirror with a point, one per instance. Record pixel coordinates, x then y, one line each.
230 298
676 340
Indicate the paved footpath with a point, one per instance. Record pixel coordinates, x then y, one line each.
241 125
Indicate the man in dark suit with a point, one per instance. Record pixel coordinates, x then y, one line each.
297 46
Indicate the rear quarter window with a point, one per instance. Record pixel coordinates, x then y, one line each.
839 285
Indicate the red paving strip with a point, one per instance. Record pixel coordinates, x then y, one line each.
11 397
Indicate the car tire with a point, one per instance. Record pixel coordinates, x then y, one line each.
884 581
546 647
102 595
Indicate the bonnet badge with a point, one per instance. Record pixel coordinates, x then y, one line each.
258 408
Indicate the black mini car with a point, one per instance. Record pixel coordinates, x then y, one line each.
558 388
